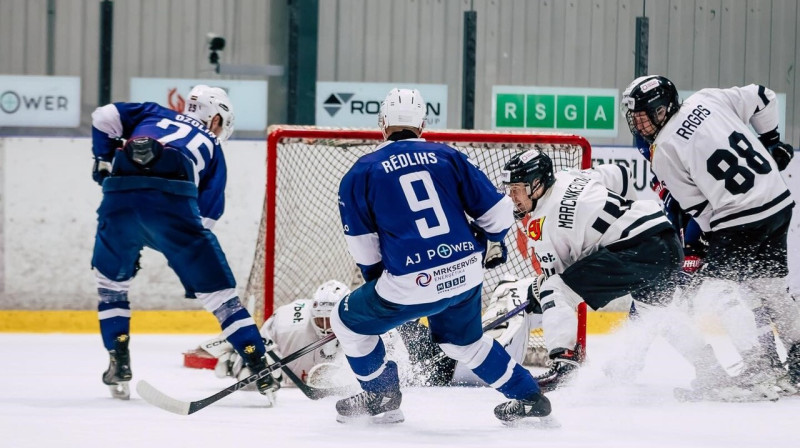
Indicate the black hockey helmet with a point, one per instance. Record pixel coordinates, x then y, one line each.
653 94
527 167
533 168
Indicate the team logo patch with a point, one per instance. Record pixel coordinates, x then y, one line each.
423 279
652 152
649 85
535 228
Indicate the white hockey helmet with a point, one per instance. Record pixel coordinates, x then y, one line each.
204 103
403 108
325 298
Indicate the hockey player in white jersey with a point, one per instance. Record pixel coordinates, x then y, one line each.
595 246
728 179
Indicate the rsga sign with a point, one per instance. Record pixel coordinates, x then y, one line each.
588 112
356 104
40 101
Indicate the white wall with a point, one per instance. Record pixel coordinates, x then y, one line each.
48 225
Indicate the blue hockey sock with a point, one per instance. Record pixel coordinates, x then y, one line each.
373 373
241 331
504 374
114 312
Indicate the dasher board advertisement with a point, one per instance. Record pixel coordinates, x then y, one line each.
356 104
249 98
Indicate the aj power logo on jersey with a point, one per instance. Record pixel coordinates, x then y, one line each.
535 227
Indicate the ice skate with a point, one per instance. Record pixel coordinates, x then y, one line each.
531 412
267 385
760 380
118 375
565 366
374 407
752 384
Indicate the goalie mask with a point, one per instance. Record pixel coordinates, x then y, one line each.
402 108
648 103
204 103
325 298
523 175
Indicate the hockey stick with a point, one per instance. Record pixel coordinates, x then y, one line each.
311 392
500 320
159 399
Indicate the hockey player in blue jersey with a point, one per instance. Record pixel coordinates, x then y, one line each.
164 189
404 211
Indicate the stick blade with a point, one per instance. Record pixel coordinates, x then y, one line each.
161 400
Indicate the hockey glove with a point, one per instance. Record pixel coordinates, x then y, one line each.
495 255
101 170
781 152
534 292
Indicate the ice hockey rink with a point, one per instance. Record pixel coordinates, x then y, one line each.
51 395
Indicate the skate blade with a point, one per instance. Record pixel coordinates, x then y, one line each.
548 422
395 416
120 391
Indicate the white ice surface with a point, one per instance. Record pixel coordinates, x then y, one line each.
51 396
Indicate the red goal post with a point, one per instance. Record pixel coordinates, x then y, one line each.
300 242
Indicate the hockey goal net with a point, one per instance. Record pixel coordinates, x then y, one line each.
300 241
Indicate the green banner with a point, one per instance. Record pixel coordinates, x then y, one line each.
588 112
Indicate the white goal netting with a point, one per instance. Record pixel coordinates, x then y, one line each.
301 244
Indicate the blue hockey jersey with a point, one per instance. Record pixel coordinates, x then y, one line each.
405 210
185 134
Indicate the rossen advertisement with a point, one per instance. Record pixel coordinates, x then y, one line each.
356 104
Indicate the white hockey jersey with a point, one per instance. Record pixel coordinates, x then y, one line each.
615 177
578 215
714 165
291 328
